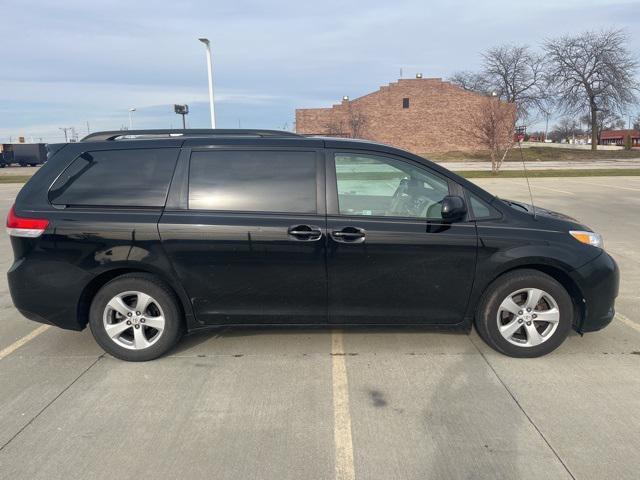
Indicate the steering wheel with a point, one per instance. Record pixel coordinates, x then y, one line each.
398 199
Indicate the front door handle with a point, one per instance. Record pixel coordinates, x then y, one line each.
349 235
305 233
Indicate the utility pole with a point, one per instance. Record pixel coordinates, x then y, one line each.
131 110
546 127
182 110
88 130
64 129
207 46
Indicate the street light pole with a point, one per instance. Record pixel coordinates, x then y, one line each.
131 110
207 46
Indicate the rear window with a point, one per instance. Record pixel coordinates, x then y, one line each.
253 181
119 178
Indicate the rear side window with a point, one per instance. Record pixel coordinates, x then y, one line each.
117 178
253 181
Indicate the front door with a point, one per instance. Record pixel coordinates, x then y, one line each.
390 256
249 245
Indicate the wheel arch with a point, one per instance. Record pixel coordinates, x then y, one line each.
102 278
554 271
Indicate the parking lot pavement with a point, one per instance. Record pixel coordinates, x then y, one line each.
317 404
545 164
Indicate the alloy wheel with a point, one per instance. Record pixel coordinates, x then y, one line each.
133 320
528 317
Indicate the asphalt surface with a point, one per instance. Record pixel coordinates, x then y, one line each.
378 404
546 165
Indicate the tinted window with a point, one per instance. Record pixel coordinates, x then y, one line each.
480 210
382 186
253 181
125 178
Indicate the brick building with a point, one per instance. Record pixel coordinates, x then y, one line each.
422 115
617 137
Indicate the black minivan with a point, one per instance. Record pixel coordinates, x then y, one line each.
145 235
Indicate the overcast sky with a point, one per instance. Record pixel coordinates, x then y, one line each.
69 62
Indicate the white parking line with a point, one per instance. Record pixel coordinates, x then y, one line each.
534 187
628 322
602 185
18 343
342 418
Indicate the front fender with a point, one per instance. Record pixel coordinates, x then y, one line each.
504 249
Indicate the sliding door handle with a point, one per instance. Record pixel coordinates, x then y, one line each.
349 235
305 233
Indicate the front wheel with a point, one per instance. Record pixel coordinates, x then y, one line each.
136 317
525 313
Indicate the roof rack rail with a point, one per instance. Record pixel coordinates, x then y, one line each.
192 132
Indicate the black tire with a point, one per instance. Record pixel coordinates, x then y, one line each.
163 296
487 313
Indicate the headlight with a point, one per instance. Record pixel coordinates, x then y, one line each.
590 238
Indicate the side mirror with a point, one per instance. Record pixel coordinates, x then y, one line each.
453 208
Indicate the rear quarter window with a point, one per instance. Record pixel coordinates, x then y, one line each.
119 178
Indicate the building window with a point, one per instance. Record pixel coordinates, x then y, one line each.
405 103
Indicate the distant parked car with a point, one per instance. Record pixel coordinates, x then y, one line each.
144 235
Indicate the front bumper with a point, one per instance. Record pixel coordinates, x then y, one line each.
598 281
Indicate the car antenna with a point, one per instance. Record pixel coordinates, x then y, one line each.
526 176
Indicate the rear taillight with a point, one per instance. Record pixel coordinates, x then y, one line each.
25 227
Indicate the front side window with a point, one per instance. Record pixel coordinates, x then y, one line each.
253 181
480 209
383 186
116 178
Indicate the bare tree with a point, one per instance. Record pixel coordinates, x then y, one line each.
471 81
517 75
334 127
492 126
356 122
636 123
592 72
565 129
605 120
514 73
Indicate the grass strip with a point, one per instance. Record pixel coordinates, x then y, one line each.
14 178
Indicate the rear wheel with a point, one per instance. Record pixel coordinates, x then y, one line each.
525 313
136 317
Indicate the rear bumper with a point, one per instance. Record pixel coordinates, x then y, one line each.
47 291
598 281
